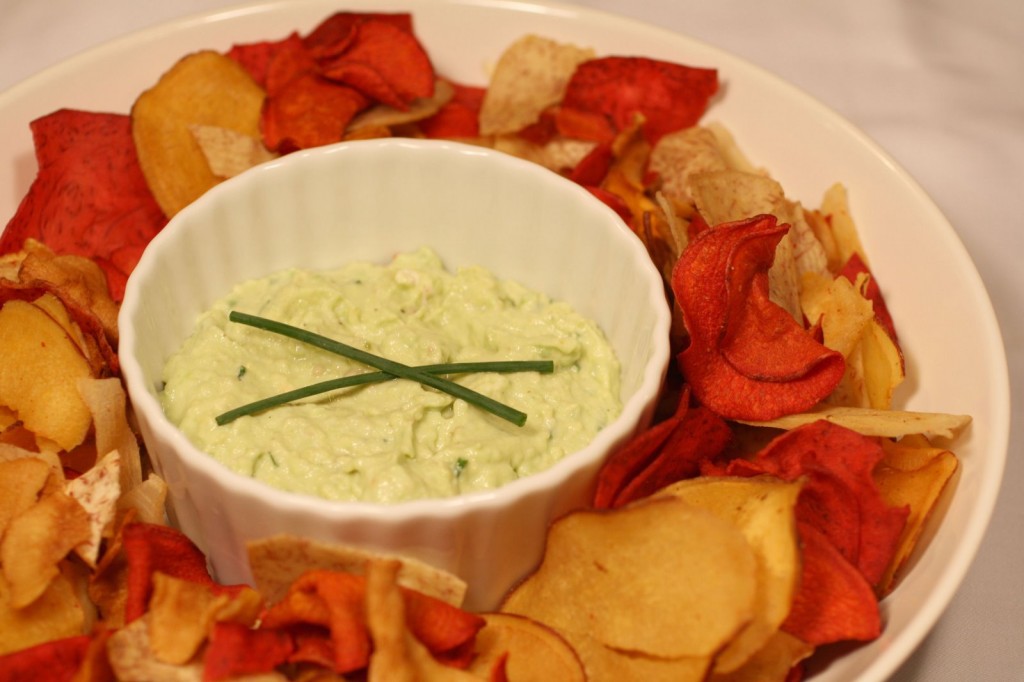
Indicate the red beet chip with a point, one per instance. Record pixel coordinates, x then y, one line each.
669 96
747 357
840 498
57 660
384 62
333 35
89 197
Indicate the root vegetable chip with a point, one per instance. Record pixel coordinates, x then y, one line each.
669 96
764 511
279 561
915 475
39 370
531 651
55 614
458 118
660 578
840 498
872 422
669 451
530 76
90 197
309 111
97 491
747 358
236 651
61 658
229 152
37 540
834 603
384 62
204 88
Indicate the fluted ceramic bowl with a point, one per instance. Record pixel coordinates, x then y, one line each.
366 201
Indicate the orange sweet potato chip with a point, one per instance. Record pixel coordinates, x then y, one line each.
669 96
834 602
747 356
89 197
236 650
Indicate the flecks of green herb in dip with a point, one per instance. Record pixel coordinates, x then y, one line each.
397 440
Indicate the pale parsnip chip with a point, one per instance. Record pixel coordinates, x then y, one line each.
872 422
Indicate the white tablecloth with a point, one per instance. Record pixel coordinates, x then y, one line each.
938 83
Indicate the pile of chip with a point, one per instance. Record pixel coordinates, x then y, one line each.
775 500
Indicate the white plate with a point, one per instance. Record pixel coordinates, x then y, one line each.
956 359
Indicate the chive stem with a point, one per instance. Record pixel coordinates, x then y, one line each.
427 375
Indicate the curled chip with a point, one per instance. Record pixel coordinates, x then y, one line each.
205 88
530 651
747 358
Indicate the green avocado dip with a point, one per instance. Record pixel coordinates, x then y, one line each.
396 440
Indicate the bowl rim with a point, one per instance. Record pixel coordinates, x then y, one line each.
634 409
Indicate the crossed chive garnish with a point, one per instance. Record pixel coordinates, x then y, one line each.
428 375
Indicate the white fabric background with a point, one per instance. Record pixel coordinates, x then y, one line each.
938 83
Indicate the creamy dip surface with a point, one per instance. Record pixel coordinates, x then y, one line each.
395 440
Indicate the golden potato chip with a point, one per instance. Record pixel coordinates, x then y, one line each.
882 364
204 88
133 660
605 664
54 614
97 491
536 653
872 422
530 76
397 655
277 561
763 509
835 209
38 373
914 475
660 577
772 663
37 540
76 280
21 482
229 152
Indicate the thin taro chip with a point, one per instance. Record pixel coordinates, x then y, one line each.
530 76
